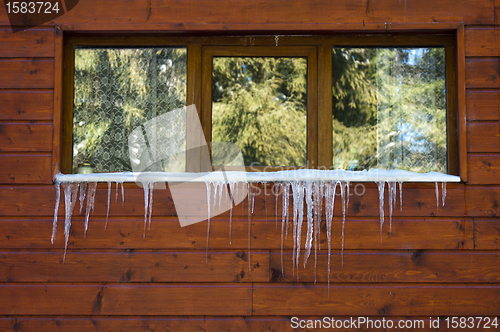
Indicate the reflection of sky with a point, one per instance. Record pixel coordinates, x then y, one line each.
415 54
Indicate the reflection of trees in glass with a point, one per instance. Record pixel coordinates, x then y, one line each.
260 104
117 90
389 108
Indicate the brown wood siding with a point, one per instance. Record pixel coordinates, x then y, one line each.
436 261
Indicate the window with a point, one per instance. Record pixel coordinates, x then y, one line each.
351 102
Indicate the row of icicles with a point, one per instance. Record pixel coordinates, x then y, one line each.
315 194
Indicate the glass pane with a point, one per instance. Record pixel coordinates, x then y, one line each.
119 91
389 109
260 104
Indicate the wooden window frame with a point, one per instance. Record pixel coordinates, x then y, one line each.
317 49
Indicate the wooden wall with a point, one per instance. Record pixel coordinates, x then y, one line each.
436 262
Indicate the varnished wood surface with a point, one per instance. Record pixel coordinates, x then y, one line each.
127 233
387 300
483 137
133 266
415 266
118 299
26 73
26 168
484 168
27 105
26 137
29 43
483 105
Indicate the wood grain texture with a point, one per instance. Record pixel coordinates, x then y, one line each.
319 11
483 137
482 73
185 324
133 266
487 233
416 266
25 137
19 74
456 107
26 105
131 299
483 201
376 300
127 233
483 105
26 169
482 41
31 43
58 101
483 168
419 200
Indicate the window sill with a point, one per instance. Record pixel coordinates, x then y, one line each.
374 175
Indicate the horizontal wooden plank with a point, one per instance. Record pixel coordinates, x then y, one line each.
26 169
26 44
483 168
482 41
130 299
418 266
483 201
487 233
482 73
27 105
483 105
281 11
419 200
133 266
483 137
382 300
165 233
25 137
213 324
19 74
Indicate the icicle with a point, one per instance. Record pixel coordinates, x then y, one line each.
123 194
117 184
90 203
286 197
342 195
250 211
264 185
151 188
107 213
284 216
56 210
276 194
392 201
83 192
348 195
145 186
329 206
231 189
70 198
318 192
381 186
276 39
221 190
400 196
209 194
437 195
443 192
310 222
253 199
299 199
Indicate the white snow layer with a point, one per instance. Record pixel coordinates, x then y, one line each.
373 175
